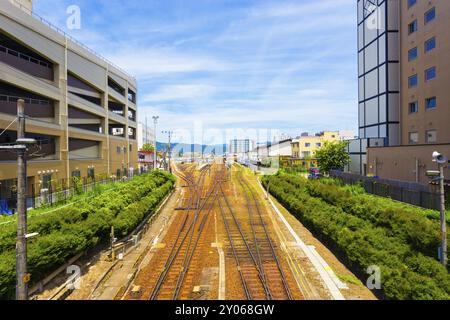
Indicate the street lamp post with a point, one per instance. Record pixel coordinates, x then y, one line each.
442 162
155 122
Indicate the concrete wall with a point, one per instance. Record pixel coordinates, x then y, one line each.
406 163
87 66
433 119
26 5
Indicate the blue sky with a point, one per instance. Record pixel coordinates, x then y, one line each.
229 64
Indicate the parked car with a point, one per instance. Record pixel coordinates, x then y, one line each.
314 173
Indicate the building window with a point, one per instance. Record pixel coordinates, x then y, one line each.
412 54
412 81
318 145
412 27
307 145
119 150
46 181
131 148
91 173
431 103
430 15
411 3
430 44
413 137
431 136
430 74
414 107
76 174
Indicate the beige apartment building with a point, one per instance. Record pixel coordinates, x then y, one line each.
80 108
304 148
405 114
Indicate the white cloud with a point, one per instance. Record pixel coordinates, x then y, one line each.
180 92
287 64
145 62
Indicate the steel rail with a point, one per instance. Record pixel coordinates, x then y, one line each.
170 259
188 259
172 253
260 274
269 295
248 294
188 256
272 248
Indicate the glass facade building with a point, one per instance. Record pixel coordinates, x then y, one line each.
378 77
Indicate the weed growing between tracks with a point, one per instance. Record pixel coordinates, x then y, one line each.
76 228
368 232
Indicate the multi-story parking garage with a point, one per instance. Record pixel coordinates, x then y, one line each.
80 108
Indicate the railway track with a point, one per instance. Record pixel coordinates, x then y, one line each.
268 259
248 246
254 254
174 274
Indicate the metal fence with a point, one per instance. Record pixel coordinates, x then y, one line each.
59 191
413 193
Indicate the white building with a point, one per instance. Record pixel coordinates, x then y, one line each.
345 135
144 135
240 146
281 148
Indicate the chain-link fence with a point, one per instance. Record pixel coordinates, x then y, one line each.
413 193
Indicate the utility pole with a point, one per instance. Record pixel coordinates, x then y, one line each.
21 245
169 148
443 220
146 130
155 160
442 162
21 147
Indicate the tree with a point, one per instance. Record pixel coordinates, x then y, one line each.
148 147
332 155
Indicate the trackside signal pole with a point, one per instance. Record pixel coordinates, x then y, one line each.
169 148
21 246
21 147
155 122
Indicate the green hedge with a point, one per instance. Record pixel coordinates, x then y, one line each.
404 222
365 239
78 227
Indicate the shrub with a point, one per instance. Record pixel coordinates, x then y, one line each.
71 230
376 236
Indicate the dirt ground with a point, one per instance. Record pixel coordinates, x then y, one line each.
104 280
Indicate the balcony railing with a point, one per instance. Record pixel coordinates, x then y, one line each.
25 57
46 150
14 99
55 28
33 107
26 63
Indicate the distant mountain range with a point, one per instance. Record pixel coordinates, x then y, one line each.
219 149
